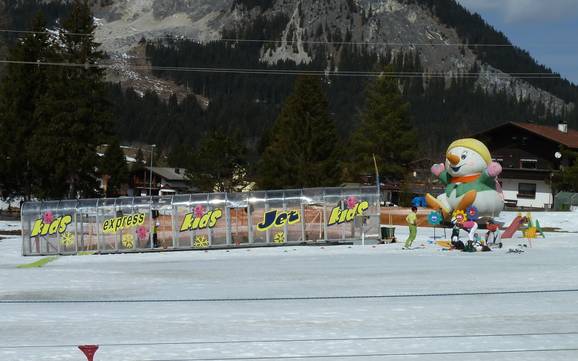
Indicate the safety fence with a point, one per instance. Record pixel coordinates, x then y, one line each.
199 221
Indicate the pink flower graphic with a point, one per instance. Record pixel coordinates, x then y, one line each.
351 202
199 211
142 233
48 217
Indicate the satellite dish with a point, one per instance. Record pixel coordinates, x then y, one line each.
558 155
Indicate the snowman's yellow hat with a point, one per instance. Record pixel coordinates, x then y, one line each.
474 145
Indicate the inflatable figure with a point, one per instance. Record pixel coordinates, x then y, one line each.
470 179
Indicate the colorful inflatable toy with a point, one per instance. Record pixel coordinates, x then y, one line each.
459 216
470 179
472 213
435 218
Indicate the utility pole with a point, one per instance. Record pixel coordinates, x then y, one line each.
151 173
377 181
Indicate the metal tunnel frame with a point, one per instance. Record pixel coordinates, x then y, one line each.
200 221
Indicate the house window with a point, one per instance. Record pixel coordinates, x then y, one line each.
527 190
499 160
528 163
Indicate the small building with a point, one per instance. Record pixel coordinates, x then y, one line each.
421 180
566 201
530 155
165 180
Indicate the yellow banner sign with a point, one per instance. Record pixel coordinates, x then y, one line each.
278 219
207 220
339 216
42 227
116 224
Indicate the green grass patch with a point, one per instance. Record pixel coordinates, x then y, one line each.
86 253
40 263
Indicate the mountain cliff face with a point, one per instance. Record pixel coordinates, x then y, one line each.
458 88
123 23
386 27
364 21
402 25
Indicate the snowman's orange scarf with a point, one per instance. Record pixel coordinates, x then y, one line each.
466 179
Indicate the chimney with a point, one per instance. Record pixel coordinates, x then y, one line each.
563 127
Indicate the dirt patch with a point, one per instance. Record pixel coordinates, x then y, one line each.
553 229
396 216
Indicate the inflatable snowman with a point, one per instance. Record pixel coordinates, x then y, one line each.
470 179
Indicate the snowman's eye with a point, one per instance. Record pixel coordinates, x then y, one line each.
464 156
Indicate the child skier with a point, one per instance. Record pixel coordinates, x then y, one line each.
493 233
156 225
411 220
471 227
455 240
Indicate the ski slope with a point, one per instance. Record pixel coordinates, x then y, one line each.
563 221
330 303
9 226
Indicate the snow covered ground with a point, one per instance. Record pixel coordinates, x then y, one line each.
564 221
15 202
9 226
289 303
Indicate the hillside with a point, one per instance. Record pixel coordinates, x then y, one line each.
423 36
417 25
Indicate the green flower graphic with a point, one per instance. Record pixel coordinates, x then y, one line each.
201 242
67 239
127 240
279 238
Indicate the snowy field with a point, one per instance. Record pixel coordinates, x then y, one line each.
331 303
563 221
9 226
4 205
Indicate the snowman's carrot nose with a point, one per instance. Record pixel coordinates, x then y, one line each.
454 159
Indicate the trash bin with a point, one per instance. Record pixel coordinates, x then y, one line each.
387 232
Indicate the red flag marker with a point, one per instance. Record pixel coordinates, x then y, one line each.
89 351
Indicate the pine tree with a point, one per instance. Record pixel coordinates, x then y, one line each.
303 151
179 156
72 114
386 131
567 179
114 169
219 163
4 24
20 92
139 163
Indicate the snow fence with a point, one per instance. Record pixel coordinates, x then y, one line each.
200 221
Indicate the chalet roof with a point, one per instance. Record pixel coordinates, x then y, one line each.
569 139
171 174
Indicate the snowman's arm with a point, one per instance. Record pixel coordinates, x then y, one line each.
439 170
445 177
486 179
489 175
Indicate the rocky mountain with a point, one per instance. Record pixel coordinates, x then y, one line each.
456 76
383 26
123 23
